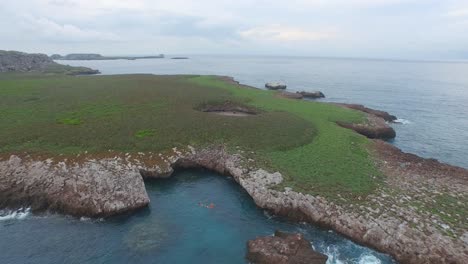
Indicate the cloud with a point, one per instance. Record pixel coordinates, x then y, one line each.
283 33
458 13
51 30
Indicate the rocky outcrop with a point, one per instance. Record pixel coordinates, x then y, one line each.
312 95
275 86
13 61
386 232
94 188
283 248
109 186
290 95
374 127
382 114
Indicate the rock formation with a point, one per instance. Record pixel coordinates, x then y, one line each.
275 86
109 186
290 95
13 61
382 114
94 188
283 248
373 127
312 95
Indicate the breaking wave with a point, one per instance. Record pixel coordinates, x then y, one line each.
402 121
17 214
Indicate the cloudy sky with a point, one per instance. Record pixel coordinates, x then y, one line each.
412 29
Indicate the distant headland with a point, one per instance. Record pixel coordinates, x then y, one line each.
94 56
20 62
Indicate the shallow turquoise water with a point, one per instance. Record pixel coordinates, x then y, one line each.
173 229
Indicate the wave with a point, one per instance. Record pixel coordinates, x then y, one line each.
334 257
11 215
402 121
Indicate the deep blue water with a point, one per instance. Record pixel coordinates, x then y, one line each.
174 229
431 97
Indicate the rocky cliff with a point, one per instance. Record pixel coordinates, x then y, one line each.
15 61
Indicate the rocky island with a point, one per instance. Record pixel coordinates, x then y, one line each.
93 56
14 61
90 156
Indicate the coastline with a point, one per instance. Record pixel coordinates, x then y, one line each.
96 190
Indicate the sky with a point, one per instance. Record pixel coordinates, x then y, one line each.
402 29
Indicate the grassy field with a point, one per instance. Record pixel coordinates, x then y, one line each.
140 113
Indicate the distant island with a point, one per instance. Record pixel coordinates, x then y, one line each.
93 56
179 58
14 61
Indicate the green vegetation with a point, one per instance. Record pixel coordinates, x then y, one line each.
138 113
145 133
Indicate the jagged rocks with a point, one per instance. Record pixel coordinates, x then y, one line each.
283 248
92 188
13 61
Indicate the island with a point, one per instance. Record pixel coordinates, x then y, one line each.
20 62
93 56
93 141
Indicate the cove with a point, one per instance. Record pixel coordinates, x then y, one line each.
179 226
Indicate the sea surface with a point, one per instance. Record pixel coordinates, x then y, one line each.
430 98
193 217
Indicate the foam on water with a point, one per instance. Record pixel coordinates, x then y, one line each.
11 215
402 121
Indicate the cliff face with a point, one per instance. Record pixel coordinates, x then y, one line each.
14 61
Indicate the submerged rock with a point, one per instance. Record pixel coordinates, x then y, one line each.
312 95
148 236
283 248
275 86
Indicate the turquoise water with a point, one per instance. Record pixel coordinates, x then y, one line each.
177 227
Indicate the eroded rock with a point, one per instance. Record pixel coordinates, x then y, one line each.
312 95
283 248
275 86
374 127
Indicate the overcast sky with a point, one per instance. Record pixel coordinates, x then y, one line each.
413 29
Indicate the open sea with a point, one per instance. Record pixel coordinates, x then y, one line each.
429 98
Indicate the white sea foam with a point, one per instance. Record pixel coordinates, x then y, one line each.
11 215
333 255
368 259
402 121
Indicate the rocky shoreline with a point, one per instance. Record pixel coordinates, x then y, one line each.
391 220
108 186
